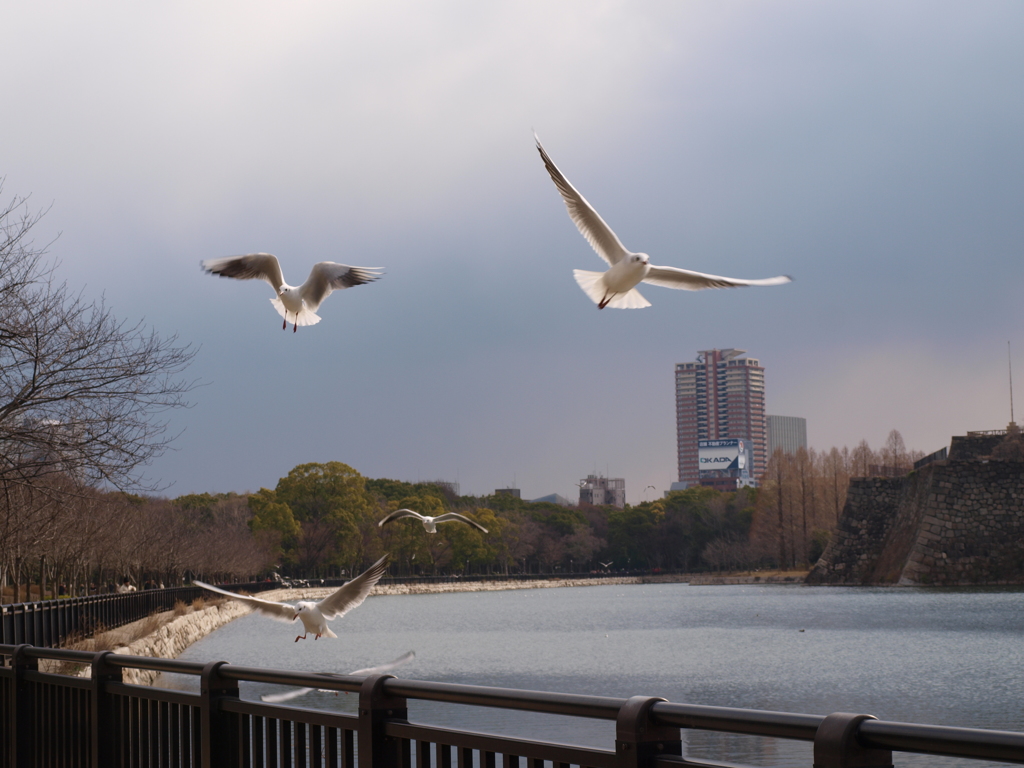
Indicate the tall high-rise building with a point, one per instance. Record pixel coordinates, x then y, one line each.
719 397
786 432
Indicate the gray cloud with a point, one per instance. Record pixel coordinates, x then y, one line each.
871 150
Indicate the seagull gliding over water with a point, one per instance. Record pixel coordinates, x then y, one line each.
617 286
430 523
315 615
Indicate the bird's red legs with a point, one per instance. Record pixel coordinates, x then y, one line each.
284 325
300 637
296 326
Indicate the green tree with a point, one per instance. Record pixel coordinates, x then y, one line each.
329 501
273 523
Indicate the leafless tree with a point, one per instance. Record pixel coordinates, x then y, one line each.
81 392
894 453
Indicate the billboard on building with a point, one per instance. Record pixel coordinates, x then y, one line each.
722 456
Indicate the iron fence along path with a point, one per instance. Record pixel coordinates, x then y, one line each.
49 719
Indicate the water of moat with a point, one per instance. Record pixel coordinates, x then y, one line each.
950 657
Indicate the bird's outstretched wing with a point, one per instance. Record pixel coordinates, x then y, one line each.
600 236
398 514
447 517
253 266
405 658
352 594
688 280
387 666
279 611
328 276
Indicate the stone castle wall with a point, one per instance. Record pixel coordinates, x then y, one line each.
954 522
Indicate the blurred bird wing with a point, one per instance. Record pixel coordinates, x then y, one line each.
405 658
398 514
688 280
600 236
253 266
448 517
352 594
327 276
275 698
279 611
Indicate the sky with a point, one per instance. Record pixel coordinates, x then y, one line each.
872 150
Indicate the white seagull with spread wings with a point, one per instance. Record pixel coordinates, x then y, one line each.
405 658
617 286
430 523
315 615
298 303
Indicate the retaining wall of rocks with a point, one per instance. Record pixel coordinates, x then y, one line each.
955 522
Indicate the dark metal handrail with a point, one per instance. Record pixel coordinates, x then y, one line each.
753 722
48 718
52 623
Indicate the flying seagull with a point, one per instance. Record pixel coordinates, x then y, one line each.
617 286
298 303
315 615
430 523
405 658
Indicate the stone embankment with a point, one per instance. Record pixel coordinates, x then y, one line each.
179 632
175 633
703 580
954 522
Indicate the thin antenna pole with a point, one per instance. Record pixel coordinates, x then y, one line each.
1009 363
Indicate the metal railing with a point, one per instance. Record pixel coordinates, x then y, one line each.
51 623
53 719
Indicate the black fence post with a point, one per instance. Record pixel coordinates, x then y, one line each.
377 750
638 739
219 737
107 730
22 726
836 744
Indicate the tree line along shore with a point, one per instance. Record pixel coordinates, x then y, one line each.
321 521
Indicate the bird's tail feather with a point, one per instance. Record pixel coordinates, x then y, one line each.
594 287
306 317
591 284
632 299
328 633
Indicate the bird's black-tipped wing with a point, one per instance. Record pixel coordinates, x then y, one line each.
600 236
279 611
252 266
398 514
327 276
455 516
352 594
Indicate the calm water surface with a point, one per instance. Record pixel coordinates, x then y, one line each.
951 657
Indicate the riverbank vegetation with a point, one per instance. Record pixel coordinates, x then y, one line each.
321 521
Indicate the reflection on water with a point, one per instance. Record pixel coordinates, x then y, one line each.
951 657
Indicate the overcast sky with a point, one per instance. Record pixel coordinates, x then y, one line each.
872 150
